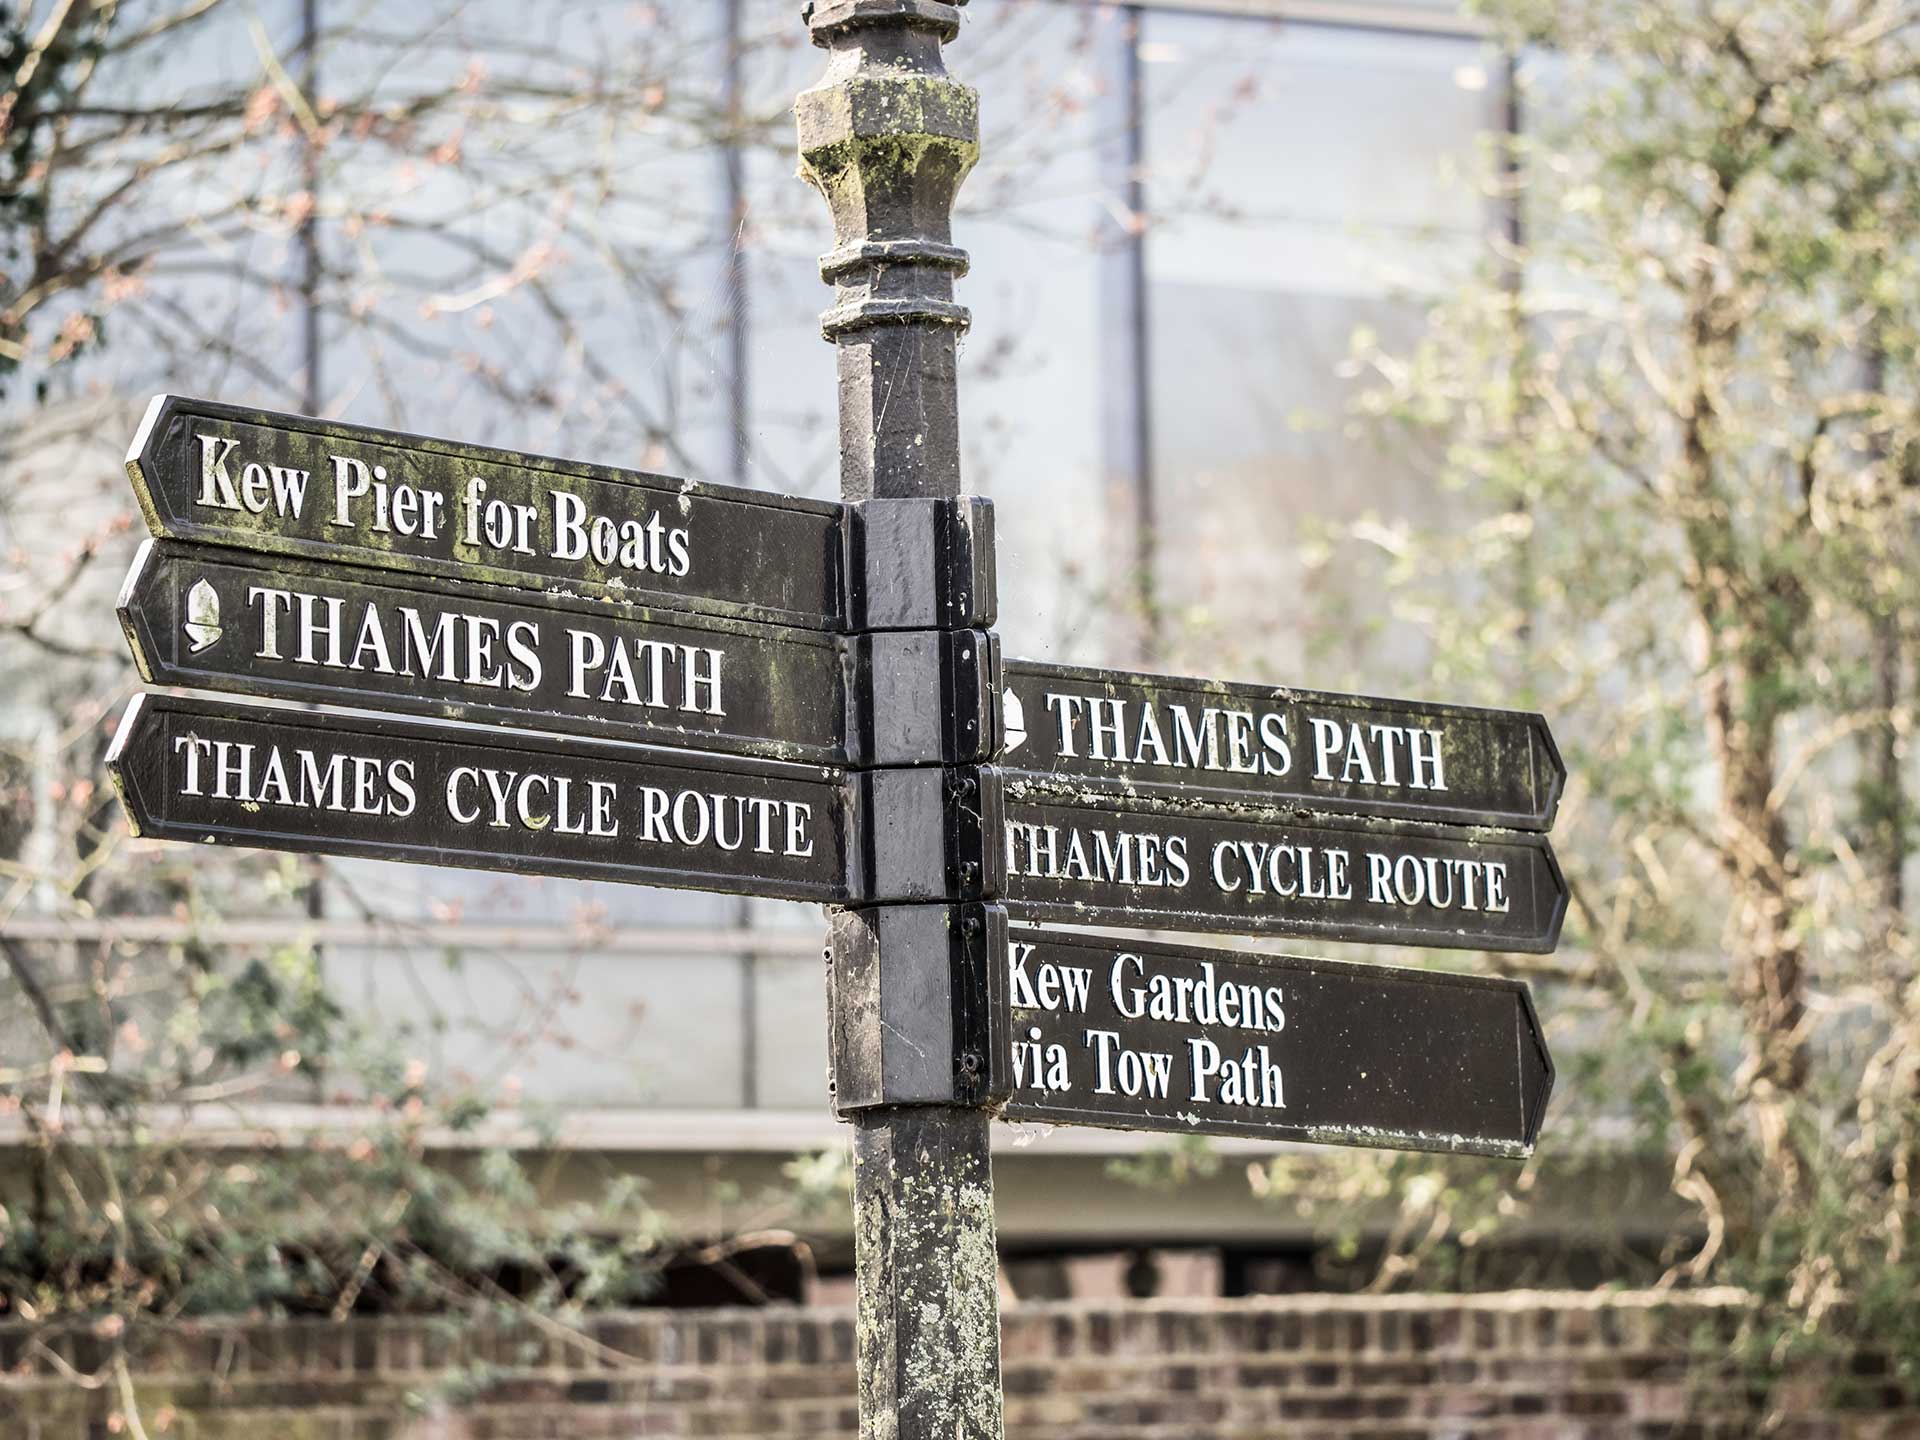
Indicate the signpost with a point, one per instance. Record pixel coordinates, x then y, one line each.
1142 1036
887 137
617 675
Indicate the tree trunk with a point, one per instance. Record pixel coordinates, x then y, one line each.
1881 795
1767 956
1746 611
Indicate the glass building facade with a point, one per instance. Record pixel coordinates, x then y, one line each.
1183 213
1181 217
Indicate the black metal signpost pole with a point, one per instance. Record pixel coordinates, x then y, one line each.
887 138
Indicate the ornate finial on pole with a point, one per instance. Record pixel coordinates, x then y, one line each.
887 138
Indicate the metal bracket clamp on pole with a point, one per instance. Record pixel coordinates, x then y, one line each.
922 564
926 835
923 697
916 990
925 1034
887 138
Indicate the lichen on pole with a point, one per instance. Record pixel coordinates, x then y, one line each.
887 137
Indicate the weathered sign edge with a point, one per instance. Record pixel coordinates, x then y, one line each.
457 449
1123 797
1338 932
1532 1029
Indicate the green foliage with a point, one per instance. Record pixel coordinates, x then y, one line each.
821 1183
1163 1167
126 1212
271 1007
1681 429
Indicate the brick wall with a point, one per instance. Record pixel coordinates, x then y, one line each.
1412 1368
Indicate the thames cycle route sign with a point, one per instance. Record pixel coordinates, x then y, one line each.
1103 856
452 795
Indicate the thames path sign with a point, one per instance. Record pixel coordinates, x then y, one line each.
292 485
230 774
1143 1036
1270 745
218 619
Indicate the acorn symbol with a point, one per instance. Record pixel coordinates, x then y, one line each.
1013 719
203 616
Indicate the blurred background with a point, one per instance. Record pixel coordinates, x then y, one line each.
1551 356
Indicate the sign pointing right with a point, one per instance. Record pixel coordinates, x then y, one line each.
1206 742
1134 1035
1100 855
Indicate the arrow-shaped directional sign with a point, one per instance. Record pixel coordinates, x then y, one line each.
1209 742
1141 1036
455 795
293 485
1101 855
217 619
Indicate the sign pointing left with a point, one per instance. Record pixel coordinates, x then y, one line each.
452 795
219 619
294 485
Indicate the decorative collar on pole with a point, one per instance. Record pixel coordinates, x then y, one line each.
829 19
887 138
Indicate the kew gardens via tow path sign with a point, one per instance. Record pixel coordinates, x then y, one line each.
1145 1036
